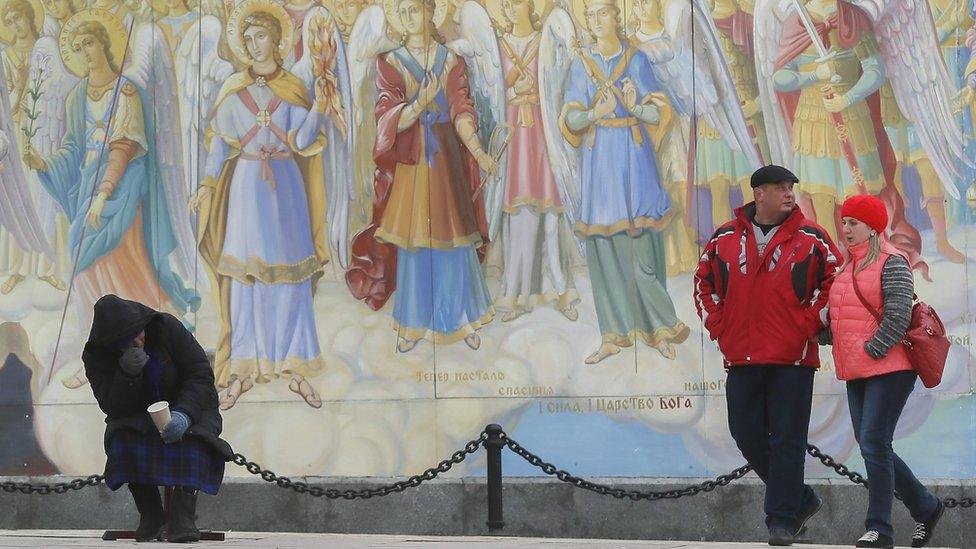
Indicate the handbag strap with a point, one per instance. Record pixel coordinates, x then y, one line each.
860 296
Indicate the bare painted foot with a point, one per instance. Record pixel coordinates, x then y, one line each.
513 314
11 283
605 350
570 312
55 282
75 380
406 345
301 387
667 350
237 387
473 341
949 252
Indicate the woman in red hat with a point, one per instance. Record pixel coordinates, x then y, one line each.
869 356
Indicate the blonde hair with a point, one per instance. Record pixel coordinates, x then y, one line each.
24 8
97 30
874 251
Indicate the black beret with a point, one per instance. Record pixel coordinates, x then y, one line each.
772 174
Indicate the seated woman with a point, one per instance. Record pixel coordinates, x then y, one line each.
136 356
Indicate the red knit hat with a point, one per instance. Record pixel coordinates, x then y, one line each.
867 209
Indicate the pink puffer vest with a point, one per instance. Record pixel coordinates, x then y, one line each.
852 325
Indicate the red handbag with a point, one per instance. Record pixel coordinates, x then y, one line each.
925 341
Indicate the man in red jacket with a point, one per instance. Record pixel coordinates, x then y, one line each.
761 291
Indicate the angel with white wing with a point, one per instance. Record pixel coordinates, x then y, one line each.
608 124
33 61
428 220
106 176
822 66
700 81
524 208
178 21
263 234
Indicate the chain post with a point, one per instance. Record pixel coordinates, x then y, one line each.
494 445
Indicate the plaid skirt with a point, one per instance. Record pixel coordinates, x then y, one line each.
142 459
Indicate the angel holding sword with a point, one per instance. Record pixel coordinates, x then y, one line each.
613 113
262 222
427 225
821 66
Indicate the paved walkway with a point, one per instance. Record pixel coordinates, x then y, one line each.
267 540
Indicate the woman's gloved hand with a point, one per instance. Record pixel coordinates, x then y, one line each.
133 360
176 428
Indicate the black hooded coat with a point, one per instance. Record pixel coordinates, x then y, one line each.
187 380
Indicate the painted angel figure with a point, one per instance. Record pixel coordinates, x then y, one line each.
115 7
525 211
18 217
179 16
262 226
428 219
58 13
107 178
821 96
32 60
607 125
346 12
707 95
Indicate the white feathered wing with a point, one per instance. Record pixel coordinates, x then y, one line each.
556 55
478 45
150 67
708 90
767 24
920 81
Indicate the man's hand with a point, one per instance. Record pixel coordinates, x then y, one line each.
824 72
33 161
836 103
95 212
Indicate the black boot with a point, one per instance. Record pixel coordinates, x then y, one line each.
151 516
183 517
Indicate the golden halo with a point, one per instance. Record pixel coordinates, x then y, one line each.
7 35
235 37
497 12
117 35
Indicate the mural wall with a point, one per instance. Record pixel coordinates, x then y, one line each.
394 222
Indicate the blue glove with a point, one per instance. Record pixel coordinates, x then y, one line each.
176 427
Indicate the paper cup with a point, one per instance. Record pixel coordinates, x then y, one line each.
159 411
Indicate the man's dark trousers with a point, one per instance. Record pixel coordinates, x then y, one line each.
769 416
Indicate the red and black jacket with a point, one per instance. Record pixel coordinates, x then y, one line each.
766 309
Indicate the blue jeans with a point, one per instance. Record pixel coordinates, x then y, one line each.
769 416
876 404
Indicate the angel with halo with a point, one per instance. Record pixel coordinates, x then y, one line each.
115 7
58 13
428 223
262 226
604 131
701 84
107 177
346 12
525 212
822 66
37 86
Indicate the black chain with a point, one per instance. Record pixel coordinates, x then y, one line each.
619 493
858 478
45 489
331 493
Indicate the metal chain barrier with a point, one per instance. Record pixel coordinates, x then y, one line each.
46 489
619 493
500 438
331 493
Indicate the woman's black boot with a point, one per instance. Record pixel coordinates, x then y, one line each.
183 517
151 516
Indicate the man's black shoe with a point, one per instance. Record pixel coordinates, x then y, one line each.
873 538
924 530
806 513
780 537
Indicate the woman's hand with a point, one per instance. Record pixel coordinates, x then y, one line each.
176 428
